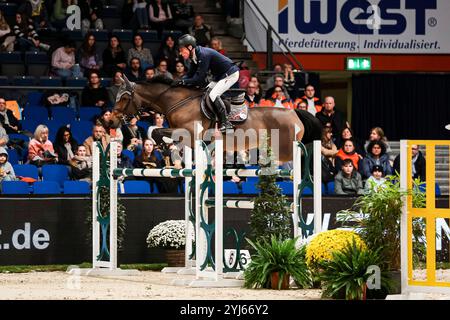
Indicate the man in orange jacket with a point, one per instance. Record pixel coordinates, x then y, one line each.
314 104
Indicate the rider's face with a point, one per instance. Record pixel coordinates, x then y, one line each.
184 52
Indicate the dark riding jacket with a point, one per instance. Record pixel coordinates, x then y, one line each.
209 59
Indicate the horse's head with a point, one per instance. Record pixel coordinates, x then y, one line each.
125 105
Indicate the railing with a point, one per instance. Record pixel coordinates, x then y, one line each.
270 32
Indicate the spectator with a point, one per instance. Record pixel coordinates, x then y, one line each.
7 119
330 117
314 105
113 57
6 36
216 44
255 80
183 15
37 12
88 56
114 88
59 16
346 134
348 181
180 71
134 72
81 165
150 158
123 161
129 15
162 71
65 145
348 152
104 120
94 94
158 124
3 137
376 180
201 31
6 169
328 151
277 71
140 14
377 134
279 82
63 61
300 105
251 97
26 36
278 99
169 51
90 15
98 135
160 16
149 73
376 155
40 149
418 164
133 136
289 81
138 51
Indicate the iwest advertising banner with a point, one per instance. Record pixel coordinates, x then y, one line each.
352 26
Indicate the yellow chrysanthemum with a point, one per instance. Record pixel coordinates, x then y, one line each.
325 243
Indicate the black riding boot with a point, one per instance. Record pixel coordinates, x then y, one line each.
221 110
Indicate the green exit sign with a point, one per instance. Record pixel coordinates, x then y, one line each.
359 64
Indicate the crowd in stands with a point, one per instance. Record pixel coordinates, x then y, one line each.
346 160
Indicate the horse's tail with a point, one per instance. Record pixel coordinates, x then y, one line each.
312 125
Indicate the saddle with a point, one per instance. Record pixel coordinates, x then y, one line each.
234 101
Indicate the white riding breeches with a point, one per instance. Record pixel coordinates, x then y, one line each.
223 85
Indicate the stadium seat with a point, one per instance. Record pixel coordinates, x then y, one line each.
330 188
63 114
144 125
53 127
15 187
174 33
50 81
24 81
9 9
76 82
136 187
110 11
154 188
81 130
13 156
76 187
46 187
26 170
4 81
106 82
129 154
39 114
230 187
287 187
18 136
37 63
11 63
123 35
148 35
34 98
29 124
307 192
55 172
101 35
89 113
249 187
75 35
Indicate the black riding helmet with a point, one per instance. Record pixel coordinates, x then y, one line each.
186 40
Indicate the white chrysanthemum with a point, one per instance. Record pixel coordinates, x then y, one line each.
168 234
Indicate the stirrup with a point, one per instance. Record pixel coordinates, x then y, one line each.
226 126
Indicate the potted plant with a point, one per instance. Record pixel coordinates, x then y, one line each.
376 218
171 236
347 273
274 262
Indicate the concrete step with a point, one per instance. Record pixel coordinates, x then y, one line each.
239 55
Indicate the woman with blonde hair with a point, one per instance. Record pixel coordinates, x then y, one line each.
40 148
216 44
6 37
377 134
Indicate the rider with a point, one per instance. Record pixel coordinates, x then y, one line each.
224 71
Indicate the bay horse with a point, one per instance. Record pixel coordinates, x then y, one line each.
181 106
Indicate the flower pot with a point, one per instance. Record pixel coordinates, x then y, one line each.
175 258
274 278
